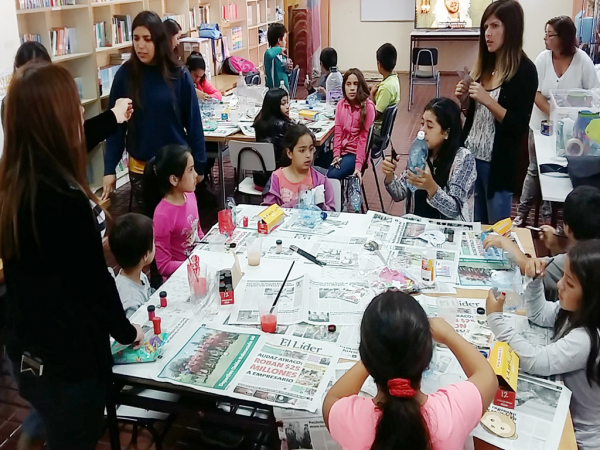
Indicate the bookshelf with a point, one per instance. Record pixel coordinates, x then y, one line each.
86 57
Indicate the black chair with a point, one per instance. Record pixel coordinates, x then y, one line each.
294 80
423 71
377 147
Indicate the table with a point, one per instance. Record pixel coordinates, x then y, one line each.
554 189
224 82
438 35
193 400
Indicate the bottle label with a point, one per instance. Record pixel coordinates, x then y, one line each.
427 269
334 96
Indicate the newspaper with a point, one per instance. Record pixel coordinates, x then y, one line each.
472 246
340 251
477 273
272 369
409 258
327 226
346 336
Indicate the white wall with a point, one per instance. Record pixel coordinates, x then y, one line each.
9 42
356 42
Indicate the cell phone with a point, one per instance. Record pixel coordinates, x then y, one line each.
394 154
533 228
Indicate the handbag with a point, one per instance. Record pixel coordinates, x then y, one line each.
584 170
211 31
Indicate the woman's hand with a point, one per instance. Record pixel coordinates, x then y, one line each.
495 240
139 337
548 237
108 184
478 93
336 162
357 174
462 92
203 95
321 90
493 304
123 109
535 267
440 329
388 166
424 180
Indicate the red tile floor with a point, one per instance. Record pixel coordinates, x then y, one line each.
13 409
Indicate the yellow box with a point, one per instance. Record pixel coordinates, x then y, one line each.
505 363
311 115
503 227
270 218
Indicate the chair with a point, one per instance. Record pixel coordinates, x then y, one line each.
294 80
423 71
375 150
249 156
337 193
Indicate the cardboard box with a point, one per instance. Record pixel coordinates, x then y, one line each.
309 114
503 227
270 219
505 363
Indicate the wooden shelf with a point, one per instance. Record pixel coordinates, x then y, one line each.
70 57
114 47
104 96
54 8
230 23
238 50
115 2
87 101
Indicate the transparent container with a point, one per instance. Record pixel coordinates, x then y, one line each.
417 156
334 87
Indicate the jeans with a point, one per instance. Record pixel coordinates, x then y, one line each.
346 167
531 187
136 181
489 210
71 411
33 426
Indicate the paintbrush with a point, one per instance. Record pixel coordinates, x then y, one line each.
281 288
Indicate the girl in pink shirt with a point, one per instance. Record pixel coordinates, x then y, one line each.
353 119
171 175
197 67
395 349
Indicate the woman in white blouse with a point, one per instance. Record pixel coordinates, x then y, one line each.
561 66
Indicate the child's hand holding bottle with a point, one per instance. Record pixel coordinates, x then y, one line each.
440 330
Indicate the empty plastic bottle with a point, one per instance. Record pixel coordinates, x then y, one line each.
417 156
312 99
282 86
354 193
333 86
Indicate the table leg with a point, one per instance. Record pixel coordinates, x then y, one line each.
554 216
221 173
111 418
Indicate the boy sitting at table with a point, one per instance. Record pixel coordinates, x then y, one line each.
131 241
581 219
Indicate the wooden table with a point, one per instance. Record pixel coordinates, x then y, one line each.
224 82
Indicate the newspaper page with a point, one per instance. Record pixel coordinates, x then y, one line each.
288 371
327 226
472 246
409 258
339 302
383 227
290 303
477 273
346 336
339 251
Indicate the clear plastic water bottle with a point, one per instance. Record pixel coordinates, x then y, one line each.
282 86
333 86
417 155
354 192
312 99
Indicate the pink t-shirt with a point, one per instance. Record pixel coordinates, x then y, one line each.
290 191
176 233
451 414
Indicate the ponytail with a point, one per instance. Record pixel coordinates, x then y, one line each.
170 160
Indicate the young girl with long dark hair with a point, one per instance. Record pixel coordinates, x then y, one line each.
498 107
353 118
49 263
575 349
165 106
285 185
445 188
396 345
197 67
169 184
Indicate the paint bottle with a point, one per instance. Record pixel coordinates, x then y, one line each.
156 323
163 299
428 265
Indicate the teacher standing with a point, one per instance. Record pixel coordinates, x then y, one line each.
62 304
498 107
166 109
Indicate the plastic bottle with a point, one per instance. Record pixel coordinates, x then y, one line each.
312 99
428 265
333 86
282 86
354 193
417 155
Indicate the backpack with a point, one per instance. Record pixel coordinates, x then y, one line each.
234 65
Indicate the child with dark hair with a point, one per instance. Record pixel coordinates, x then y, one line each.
277 64
131 241
328 60
169 183
197 67
286 184
386 93
173 30
396 346
574 351
581 220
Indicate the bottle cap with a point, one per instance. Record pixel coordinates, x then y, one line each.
151 308
163 294
331 328
481 311
279 242
323 215
421 135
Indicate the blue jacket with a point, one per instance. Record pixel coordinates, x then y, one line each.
166 115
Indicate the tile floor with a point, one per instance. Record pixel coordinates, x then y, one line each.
13 409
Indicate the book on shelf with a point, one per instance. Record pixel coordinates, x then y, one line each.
100 35
30 38
121 29
116 59
62 41
229 12
32 4
106 75
179 18
193 19
236 38
79 84
202 15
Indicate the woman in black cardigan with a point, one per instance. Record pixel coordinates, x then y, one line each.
62 305
498 107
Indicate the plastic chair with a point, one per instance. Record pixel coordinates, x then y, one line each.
423 71
294 80
337 193
250 156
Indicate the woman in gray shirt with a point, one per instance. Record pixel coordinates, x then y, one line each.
576 322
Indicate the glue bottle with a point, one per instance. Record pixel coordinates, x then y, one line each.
428 265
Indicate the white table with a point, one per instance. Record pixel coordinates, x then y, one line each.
554 189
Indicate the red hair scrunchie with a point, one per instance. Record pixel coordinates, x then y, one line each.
400 387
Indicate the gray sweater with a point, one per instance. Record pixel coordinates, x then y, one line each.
566 356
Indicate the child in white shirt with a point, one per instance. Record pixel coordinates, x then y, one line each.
131 241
